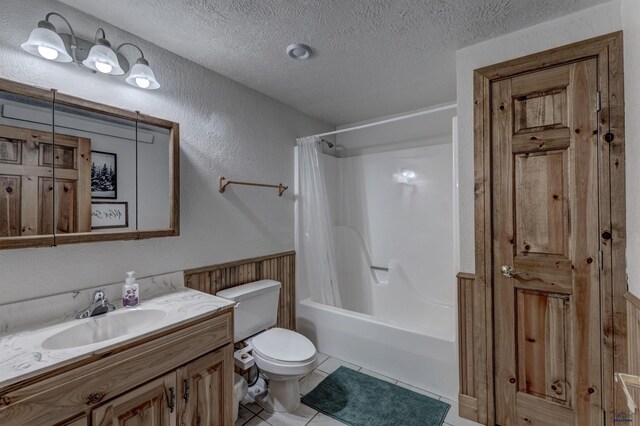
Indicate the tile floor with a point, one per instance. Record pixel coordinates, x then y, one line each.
251 414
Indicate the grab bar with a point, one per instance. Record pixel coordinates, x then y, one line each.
379 268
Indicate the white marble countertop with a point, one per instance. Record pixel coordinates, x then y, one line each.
22 354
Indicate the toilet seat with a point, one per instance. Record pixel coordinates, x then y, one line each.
283 352
284 346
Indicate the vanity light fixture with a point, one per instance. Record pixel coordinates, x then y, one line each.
46 42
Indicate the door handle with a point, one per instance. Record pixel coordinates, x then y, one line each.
172 399
509 271
185 393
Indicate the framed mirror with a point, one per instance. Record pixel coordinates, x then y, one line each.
73 170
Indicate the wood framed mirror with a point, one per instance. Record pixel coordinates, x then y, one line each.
73 171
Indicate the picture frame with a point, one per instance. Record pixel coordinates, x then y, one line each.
104 175
109 214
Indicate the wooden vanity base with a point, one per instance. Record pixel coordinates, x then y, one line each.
179 376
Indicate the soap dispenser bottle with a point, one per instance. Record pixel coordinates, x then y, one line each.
130 291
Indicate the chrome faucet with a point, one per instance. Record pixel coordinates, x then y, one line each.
99 305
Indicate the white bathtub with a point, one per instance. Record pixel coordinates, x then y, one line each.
421 358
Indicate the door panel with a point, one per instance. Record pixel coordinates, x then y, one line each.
27 205
65 207
545 109
206 389
542 328
10 205
152 404
545 225
541 212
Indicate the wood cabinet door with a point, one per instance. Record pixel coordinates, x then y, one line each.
27 183
153 404
206 390
545 226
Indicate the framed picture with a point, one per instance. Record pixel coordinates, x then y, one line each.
104 175
109 214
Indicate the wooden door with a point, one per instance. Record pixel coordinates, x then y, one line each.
153 404
27 204
206 389
547 332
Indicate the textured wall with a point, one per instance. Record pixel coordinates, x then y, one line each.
588 23
226 129
372 57
631 28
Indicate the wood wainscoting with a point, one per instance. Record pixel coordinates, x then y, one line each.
280 267
633 346
467 397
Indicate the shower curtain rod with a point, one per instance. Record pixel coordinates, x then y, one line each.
438 108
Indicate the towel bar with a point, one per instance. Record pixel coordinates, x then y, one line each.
226 182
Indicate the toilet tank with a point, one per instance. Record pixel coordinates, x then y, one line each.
256 309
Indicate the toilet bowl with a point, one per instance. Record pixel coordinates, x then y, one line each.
284 356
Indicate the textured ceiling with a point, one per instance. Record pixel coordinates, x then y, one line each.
371 57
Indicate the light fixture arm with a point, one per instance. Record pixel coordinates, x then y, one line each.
50 14
73 34
104 35
131 44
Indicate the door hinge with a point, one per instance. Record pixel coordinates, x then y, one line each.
601 259
598 101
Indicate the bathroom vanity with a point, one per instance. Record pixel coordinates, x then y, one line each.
174 365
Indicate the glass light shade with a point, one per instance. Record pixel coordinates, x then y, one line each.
105 57
43 42
142 76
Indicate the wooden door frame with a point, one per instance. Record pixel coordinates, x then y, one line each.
607 50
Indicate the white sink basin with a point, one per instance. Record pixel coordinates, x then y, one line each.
103 327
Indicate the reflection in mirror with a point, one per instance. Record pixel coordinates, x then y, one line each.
154 184
25 166
95 172
73 170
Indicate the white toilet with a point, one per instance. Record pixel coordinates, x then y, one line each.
284 356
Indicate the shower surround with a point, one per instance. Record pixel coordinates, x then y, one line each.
392 210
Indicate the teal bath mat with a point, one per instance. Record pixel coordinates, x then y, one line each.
361 400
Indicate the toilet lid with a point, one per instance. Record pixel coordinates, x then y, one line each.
284 345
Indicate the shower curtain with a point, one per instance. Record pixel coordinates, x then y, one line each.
316 233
